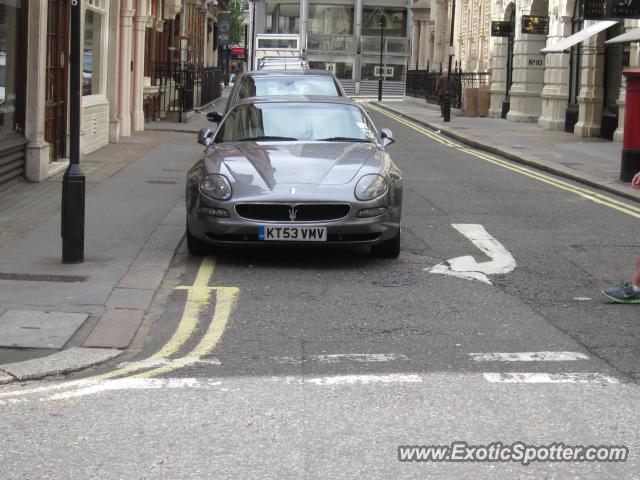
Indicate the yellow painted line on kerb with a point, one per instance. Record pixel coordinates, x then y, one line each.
585 193
197 301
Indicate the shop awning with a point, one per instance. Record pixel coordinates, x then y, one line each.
627 37
581 36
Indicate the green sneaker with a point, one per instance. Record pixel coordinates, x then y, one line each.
622 294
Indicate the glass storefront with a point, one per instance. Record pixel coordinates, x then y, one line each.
10 49
396 22
282 17
330 20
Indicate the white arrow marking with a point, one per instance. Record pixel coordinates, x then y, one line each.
467 267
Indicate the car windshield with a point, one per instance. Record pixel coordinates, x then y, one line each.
289 121
269 86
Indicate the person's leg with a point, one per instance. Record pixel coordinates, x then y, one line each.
635 276
628 292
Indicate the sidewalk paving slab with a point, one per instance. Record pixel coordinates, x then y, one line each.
36 329
115 329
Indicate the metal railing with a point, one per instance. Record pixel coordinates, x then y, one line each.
185 85
424 84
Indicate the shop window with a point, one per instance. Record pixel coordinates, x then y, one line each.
396 22
330 20
282 17
95 20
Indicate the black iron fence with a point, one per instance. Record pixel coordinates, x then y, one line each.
424 84
183 86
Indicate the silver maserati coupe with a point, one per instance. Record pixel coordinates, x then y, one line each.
293 170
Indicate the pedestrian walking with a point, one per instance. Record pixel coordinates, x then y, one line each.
628 292
441 91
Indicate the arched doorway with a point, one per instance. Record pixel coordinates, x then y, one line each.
509 16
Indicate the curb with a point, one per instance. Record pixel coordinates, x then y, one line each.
75 359
585 179
65 361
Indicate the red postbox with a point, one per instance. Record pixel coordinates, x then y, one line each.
631 143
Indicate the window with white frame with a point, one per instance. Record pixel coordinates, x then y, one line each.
94 51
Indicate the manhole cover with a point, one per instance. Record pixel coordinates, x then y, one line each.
41 277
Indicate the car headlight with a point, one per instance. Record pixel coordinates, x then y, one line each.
216 186
370 186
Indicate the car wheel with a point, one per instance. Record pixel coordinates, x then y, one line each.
196 246
387 249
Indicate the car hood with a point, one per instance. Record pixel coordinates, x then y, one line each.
271 164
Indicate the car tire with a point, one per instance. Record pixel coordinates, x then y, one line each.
196 246
387 249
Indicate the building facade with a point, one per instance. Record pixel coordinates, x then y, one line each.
567 79
343 36
124 44
431 30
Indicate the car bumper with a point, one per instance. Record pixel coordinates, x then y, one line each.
351 230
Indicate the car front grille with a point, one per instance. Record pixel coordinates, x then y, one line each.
307 212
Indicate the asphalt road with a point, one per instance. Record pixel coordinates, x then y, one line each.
307 363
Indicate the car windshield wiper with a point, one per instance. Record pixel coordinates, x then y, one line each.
265 138
343 139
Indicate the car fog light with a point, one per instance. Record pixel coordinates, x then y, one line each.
215 212
372 212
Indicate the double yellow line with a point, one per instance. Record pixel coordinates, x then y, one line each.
198 296
585 193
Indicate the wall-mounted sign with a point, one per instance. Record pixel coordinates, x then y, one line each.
224 26
534 25
611 9
501 29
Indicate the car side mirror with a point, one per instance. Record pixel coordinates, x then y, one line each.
215 117
387 137
205 137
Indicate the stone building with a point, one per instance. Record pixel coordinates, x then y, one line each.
568 79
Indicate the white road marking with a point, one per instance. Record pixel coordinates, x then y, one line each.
466 267
528 357
582 299
514 377
134 384
364 379
358 357
343 357
179 362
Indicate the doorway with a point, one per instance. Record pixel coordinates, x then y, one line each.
57 78
510 16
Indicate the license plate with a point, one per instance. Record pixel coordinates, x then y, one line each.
292 234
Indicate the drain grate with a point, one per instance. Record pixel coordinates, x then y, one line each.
41 277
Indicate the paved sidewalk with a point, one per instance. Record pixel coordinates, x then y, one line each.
57 318
591 161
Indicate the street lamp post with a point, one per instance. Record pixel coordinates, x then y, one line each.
73 182
447 99
383 21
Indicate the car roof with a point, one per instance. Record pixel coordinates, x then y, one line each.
301 71
298 99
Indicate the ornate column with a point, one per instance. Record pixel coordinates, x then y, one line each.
424 44
591 89
124 74
415 44
139 26
37 161
498 70
555 92
113 70
528 75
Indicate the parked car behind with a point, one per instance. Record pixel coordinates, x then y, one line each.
323 178
275 83
282 63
